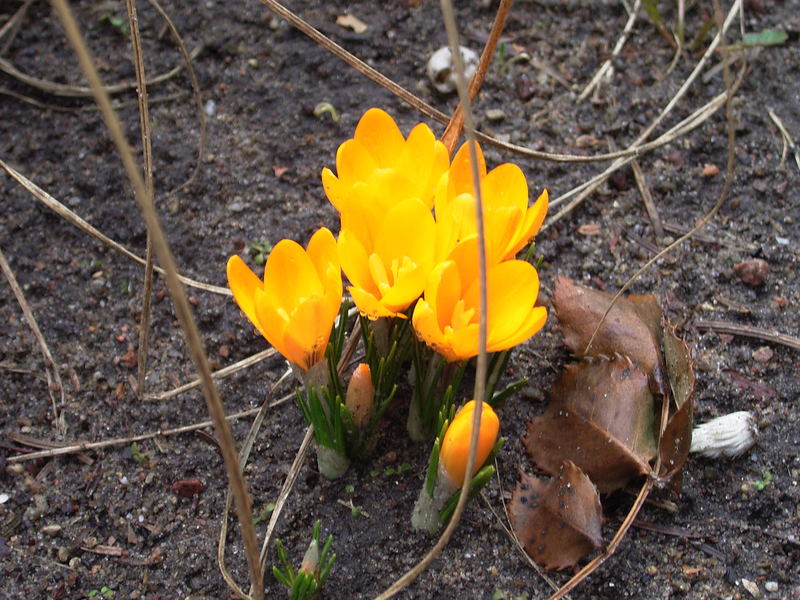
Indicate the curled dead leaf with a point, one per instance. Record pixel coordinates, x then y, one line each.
624 331
600 416
558 521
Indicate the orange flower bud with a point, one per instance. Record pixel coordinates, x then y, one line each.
360 397
455 446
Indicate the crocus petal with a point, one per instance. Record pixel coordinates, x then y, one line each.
272 321
244 283
407 230
334 189
460 178
534 217
369 305
354 162
512 289
534 321
378 132
455 445
307 334
505 186
289 275
355 262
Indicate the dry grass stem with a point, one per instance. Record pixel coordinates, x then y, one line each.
244 455
79 447
182 308
198 100
601 72
481 368
428 110
453 131
78 91
147 157
788 142
61 210
51 369
749 331
220 374
11 27
647 198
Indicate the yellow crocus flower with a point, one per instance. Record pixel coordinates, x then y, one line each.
378 167
296 304
388 259
509 223
455 445
447 317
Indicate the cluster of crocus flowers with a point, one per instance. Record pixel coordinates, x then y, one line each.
451 466
408 245
395 252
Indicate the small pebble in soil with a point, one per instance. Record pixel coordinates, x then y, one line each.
753 272
763 354
771 586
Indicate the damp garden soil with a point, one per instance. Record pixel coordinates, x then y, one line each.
259 181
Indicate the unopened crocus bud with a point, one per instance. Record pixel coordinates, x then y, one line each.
728 435
455 445
310 562
360 397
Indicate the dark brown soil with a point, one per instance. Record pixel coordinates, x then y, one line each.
259 180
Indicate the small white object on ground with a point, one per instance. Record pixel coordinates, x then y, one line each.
730 435
442 72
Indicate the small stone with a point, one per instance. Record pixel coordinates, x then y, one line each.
495 114
62 554
652 570
51 530
210 109
252 63
763 354
753 272
74 562
751 587
710 170
771 586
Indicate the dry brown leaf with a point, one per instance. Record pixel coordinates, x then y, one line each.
600 417
558 521
677 437
579 310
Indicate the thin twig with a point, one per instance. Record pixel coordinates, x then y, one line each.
79 91
647 198
183 310
425 108
220 374
480 371
198 99
650 128
78 222
634 13
78 447
147 154
723 196
787 139
749 331
453 130
11 27
244 454
592 565
51 369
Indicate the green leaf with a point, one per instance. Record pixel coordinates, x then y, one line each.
765 37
